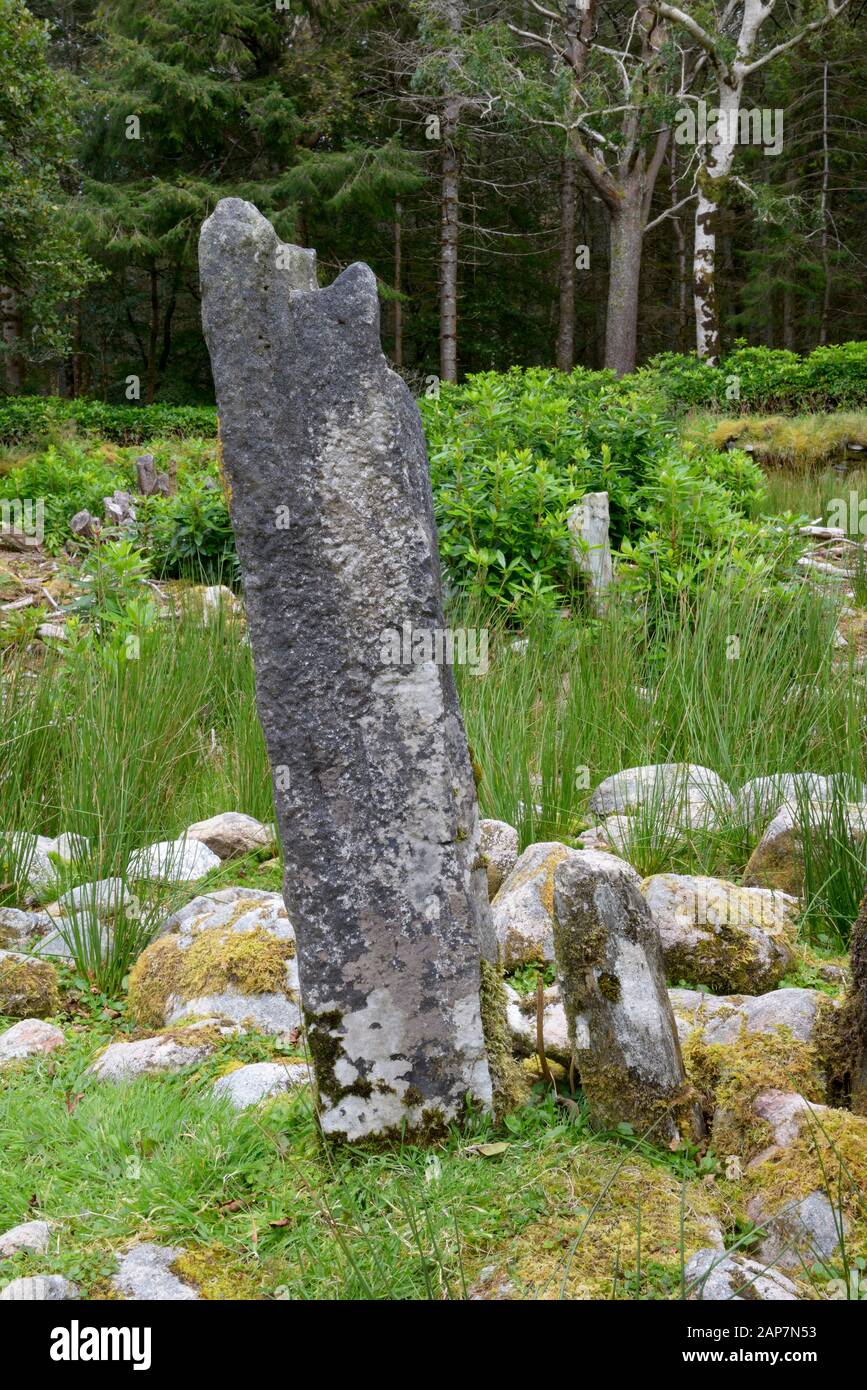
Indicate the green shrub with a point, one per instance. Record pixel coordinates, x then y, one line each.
512 454
761 379
67 480
28 419
190 535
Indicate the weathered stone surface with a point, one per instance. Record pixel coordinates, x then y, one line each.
856 1011
523 910
332 509
591 548
800 1234
19 928
498 852
231 834
28 987
39 1288
230 954
173 861
70 848
29 1038
102 899
710 1275
145 1275
521 1016
716 934
684 793
758 799
621 1024
242 909
721 1018
150 481
785 1112
778 859
259 1081
30 856
30 1235
119 509
124 1061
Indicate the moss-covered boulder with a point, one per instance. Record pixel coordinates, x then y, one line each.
523 909
28 987
804 1188
228 955
778 859
732 940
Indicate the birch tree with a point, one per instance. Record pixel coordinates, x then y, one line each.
730 51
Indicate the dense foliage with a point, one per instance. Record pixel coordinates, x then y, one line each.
134 120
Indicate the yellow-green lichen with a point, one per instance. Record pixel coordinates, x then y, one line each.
28 988
219 959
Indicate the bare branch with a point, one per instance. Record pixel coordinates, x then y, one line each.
833 12
669 212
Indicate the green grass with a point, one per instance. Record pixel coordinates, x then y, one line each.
746 684
273 1215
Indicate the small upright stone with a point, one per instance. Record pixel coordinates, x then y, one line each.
498 852
591 549
621 1024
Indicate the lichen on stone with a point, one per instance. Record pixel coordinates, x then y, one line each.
218 959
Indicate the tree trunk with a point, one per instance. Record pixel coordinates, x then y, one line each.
621 326
12 333
398 286
826 182
712 179
449 239
153 335
566 324
680 284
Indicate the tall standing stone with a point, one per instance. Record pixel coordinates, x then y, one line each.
622 1029
333 515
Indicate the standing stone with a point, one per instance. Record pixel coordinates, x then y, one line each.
591 549
856 1011
150 481
621 1025
331 504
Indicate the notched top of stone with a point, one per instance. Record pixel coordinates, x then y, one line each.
235 223
351 299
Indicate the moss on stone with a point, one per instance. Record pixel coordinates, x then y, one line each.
729 1076
589 1242
152 979
219 959
253 962
216 1274
507 1078
28 988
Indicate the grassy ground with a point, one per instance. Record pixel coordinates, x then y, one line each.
746 680
797 443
